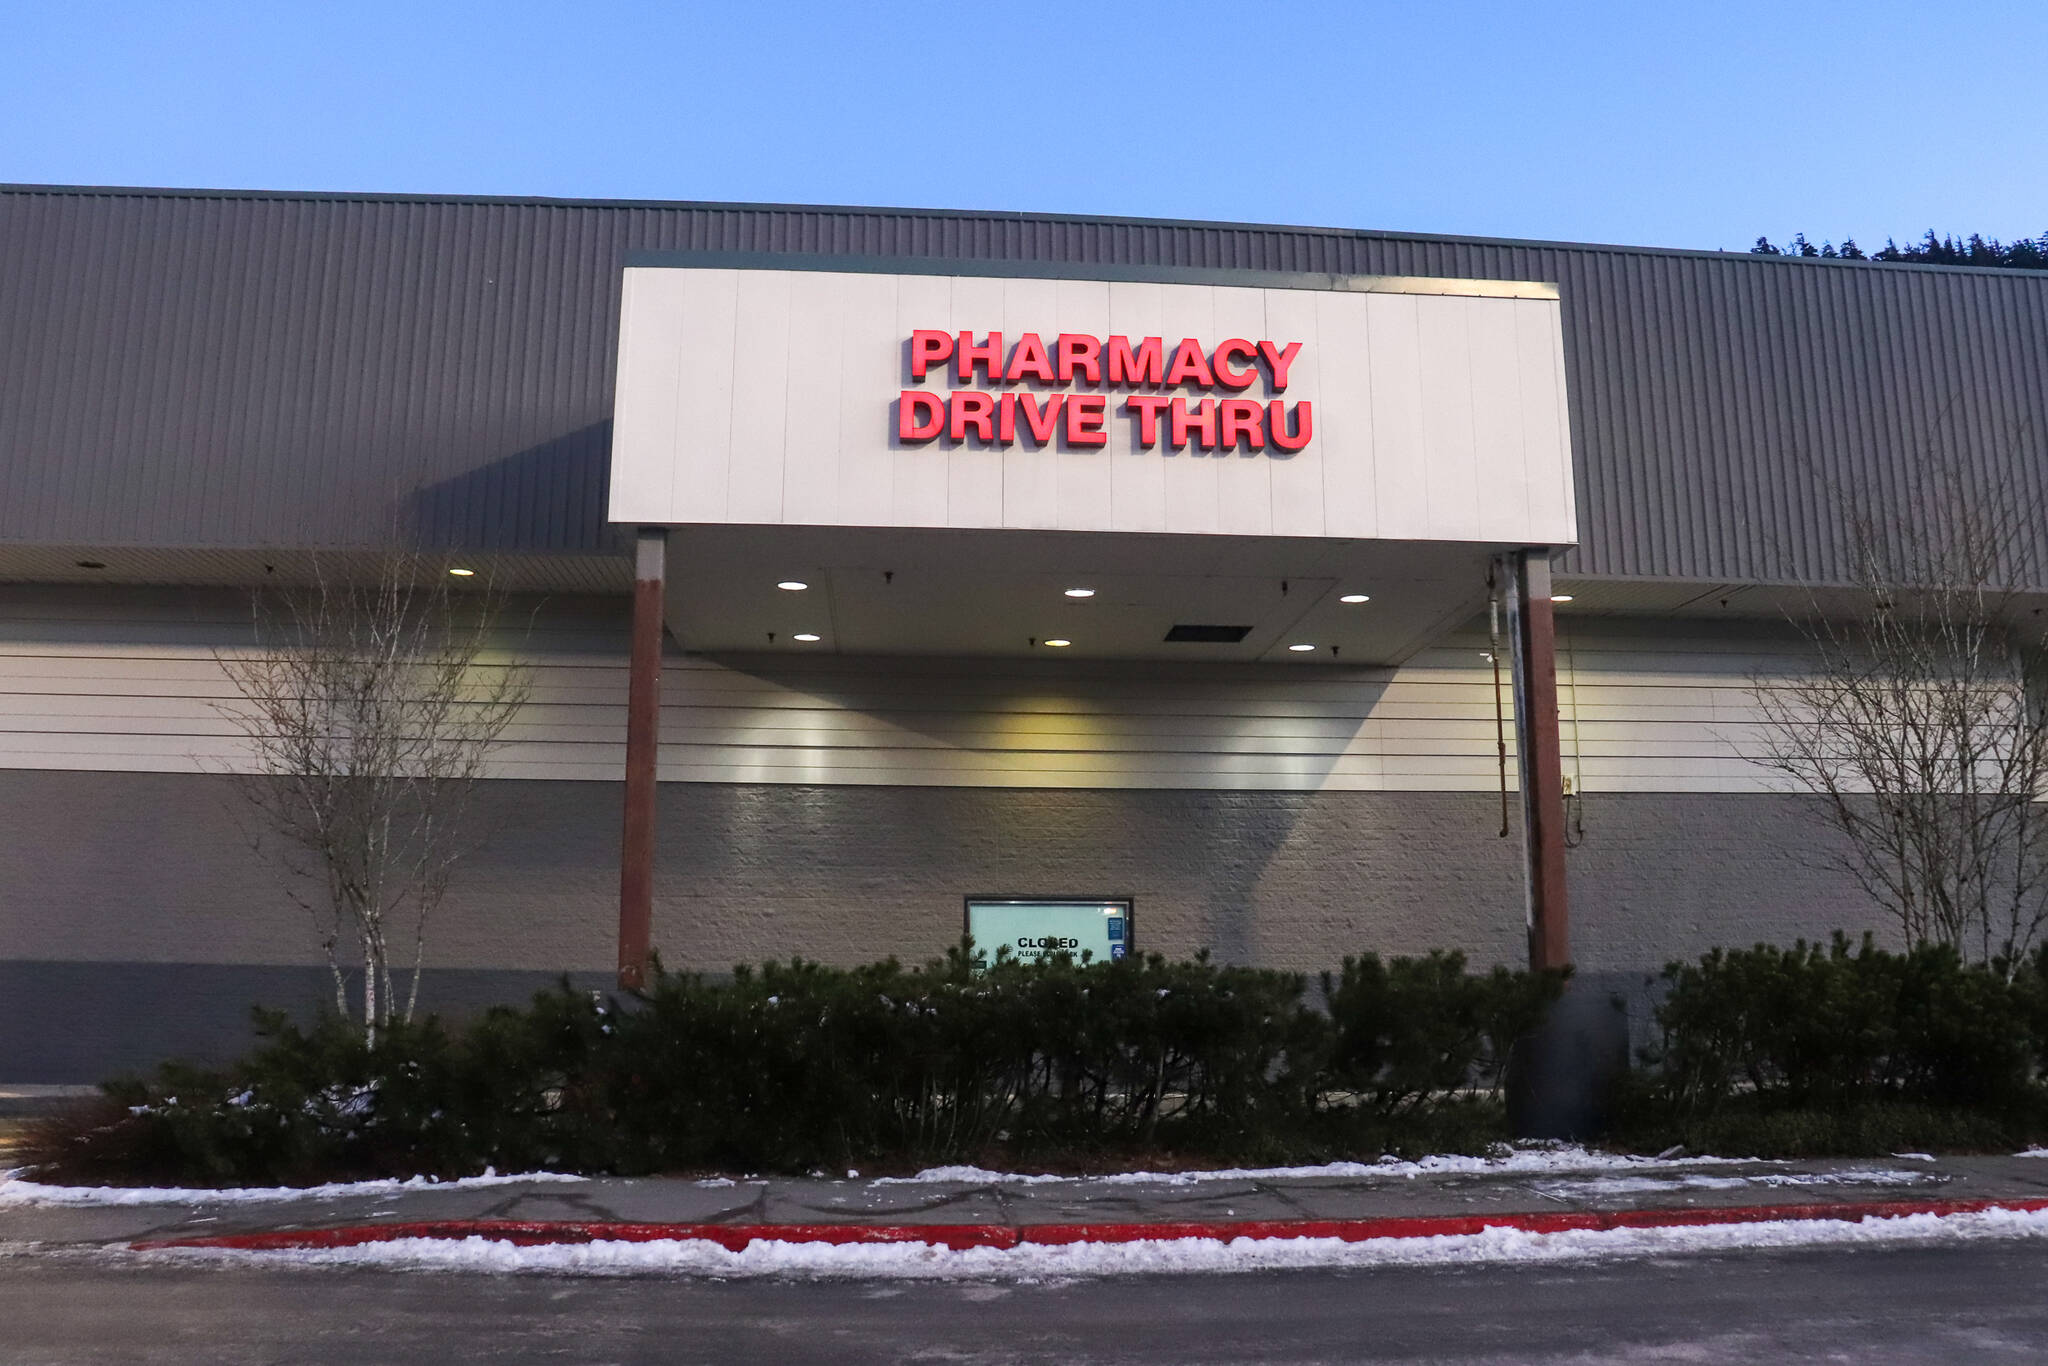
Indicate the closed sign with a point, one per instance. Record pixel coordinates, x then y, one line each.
1034 928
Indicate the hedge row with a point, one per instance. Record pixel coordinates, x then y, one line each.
1835 1026
796 1066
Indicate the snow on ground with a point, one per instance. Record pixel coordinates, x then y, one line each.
1543 1160
15 1191
1530 1160
1596 1186
926 1262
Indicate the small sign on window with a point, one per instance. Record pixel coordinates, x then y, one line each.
1034 928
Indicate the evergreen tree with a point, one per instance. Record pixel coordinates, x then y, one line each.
2025 253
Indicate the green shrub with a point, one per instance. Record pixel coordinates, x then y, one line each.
794 1066
799 1065
1746 1124
1413 1029
305 1105
790 1067
1837 1027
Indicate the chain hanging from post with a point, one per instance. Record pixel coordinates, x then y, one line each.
1500 733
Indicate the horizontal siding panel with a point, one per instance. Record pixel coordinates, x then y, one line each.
1643 706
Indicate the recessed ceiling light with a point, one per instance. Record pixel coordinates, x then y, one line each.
1059 644
806 636
462 573
1299 648
792 585
1356 597
1560 597
1080 592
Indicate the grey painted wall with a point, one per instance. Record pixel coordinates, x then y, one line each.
72 1023
135 920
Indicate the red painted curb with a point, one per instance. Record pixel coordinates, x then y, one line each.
958 1237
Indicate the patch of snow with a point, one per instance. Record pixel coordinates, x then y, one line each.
1178 1256
1915 1157
1597 1186
2036 1151
16 1191
1850 1176
1534 1160
1634 1185
967 1175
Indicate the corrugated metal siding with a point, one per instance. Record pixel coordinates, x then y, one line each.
99 680
236 370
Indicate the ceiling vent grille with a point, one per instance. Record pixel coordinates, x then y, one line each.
1186 634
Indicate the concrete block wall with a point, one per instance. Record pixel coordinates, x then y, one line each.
136 920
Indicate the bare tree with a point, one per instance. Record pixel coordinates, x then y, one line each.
1923 721
370 709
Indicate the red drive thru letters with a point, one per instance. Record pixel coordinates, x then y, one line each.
1000 415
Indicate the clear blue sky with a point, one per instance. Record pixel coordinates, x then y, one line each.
1695 125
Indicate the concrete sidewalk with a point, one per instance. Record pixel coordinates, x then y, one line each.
1531 1183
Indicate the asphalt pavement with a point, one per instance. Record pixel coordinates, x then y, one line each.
72 1291
1948 1304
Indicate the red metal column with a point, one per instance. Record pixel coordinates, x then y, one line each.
643 740
1542 764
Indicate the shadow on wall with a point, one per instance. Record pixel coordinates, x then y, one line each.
1075 833
549 497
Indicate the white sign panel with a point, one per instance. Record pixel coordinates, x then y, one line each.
851 399
1029 930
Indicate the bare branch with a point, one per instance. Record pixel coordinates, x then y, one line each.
1922 723
370 711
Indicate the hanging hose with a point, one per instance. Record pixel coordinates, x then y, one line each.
1500 731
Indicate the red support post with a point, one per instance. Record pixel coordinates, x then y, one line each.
1542 763
643 741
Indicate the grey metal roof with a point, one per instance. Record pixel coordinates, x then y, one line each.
223 369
